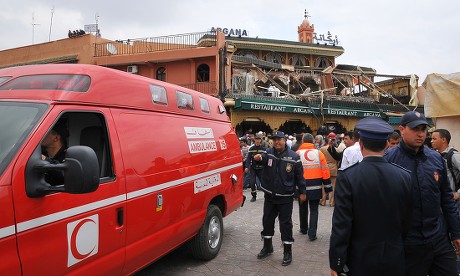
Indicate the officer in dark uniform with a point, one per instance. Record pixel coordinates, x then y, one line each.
372 209
283 171
253 167
54 147
434 232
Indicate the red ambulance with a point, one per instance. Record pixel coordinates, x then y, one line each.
149 166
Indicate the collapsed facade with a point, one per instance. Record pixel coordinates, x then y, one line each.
265 84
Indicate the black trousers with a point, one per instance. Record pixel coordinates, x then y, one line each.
303 217
284 213
436 258
252 178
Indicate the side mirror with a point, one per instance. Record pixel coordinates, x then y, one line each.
80 171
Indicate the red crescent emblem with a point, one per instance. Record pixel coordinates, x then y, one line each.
306 156
73 240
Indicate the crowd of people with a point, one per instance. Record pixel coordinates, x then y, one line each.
395 193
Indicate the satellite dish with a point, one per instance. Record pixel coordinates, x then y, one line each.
111 48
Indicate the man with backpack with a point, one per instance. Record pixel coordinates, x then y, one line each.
440 139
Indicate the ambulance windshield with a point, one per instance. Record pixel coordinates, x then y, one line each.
17 121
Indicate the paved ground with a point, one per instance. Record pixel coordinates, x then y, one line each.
241 244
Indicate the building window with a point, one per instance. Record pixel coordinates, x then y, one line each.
247 53
274 57
184 100
202 73
402 91
322 62
161 74
299 60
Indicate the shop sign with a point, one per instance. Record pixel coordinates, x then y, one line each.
352 113
276 108
306 110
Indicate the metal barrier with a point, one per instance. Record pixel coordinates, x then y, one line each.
155 44
209 88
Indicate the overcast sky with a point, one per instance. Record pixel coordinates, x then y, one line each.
393 36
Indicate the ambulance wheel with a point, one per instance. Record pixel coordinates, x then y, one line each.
206 244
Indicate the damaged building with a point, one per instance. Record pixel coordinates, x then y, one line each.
265 84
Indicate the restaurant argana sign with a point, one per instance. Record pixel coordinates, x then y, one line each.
286 108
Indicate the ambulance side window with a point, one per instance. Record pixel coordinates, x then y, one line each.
184 100
159 95
204 104
90 129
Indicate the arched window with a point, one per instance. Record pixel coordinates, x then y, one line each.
202 73
322 62
274 57
161 74
299 60
246 53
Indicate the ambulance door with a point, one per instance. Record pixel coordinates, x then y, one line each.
63 233
10 262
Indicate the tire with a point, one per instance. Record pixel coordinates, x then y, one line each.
206 244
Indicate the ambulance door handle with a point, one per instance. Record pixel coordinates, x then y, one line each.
120 216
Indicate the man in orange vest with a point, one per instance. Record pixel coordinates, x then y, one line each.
316 174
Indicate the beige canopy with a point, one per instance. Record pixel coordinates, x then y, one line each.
442 95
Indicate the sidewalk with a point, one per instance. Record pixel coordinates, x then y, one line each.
242 243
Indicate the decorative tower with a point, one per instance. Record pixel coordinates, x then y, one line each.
306 30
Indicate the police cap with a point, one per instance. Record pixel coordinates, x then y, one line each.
413 119
374 128
278 134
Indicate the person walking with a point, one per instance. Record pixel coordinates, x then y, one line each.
316 174
283 172
352 155
434 233
440 139
298 142
253 167
394 139
244 152
372 212
333 153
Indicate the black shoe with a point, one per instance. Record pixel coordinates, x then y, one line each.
266 250
303 232
287 257
253 199
313 238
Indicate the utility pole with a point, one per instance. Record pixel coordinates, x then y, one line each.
33 27
51 23
96 17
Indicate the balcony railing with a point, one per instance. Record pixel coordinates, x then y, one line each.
155 44
209 88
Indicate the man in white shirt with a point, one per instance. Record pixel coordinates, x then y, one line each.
352 155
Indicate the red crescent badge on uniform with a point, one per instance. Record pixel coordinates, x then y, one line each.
436 176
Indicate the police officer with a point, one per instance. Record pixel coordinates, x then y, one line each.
435 224
283 171
253 167
372 209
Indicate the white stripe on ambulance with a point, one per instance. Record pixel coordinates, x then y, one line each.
33 223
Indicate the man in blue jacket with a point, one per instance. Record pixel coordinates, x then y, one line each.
434 232
282 173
